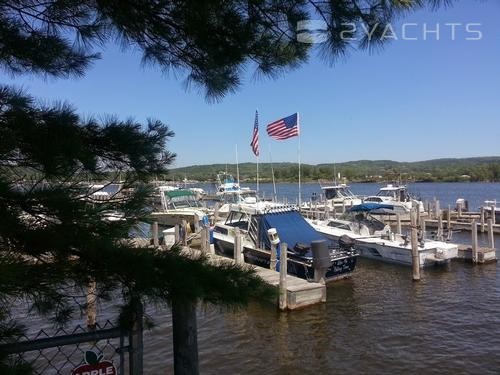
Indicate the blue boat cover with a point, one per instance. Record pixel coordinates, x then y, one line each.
365 207
292 229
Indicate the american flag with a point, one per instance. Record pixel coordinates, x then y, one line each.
284 128
255 135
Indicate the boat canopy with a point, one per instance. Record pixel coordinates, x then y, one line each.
367 207
179 193
291 227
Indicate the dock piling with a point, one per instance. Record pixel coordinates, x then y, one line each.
283 273
475 245
493 207
156 241
272 263
482 220
238 246
491 235
414 246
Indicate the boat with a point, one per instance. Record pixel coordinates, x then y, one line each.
375 240
227 184
396 196
337 197
172 206
256 219
491 209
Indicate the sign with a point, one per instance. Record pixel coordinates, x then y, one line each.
94 365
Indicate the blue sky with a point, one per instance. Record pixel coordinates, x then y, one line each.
413 100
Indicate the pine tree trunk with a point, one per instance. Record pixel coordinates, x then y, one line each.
185 337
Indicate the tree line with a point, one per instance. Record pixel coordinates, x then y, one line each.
484 169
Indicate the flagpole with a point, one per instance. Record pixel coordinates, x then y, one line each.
237 166
272 171
258 153
257 175
300 185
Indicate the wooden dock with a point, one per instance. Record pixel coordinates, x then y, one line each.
484 254
299 292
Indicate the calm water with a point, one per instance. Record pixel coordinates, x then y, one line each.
378 321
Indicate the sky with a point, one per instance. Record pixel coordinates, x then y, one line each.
413 100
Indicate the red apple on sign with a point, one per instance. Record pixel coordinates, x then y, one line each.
95 366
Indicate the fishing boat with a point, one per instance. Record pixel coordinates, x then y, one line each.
172 206
254 222
396 196
375 240
336 197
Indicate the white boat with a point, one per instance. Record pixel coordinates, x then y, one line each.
254 222
172 206
396 196
491 209
375 240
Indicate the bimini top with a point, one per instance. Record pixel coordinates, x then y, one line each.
291 227
366 207
179 193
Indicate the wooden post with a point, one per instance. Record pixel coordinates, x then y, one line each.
493 206
272 263
203 240
283 273
415 257
459 210
238 246
177 234
423 227
156 241
437 209
91 307
440 228
185 337
398 224
491 235
448 218
482 220
184 232
473 229
135 342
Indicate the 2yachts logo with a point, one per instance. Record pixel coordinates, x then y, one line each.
317 31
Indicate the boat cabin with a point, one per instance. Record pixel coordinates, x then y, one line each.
178 199
340 192
397 193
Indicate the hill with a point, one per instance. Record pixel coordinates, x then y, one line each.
463 169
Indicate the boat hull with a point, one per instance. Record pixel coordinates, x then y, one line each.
341 267
402 255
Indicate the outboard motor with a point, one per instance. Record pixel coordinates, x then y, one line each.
321 255
346 242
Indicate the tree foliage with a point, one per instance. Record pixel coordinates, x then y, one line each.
53 238
210 41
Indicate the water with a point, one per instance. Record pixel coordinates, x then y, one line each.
378 321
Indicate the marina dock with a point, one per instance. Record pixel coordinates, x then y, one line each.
300 293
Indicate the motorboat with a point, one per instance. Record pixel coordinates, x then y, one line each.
173 206
254 222
375 240
336 197
491 209
396 196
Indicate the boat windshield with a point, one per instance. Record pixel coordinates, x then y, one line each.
237 219
339 192
239 197
182 201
